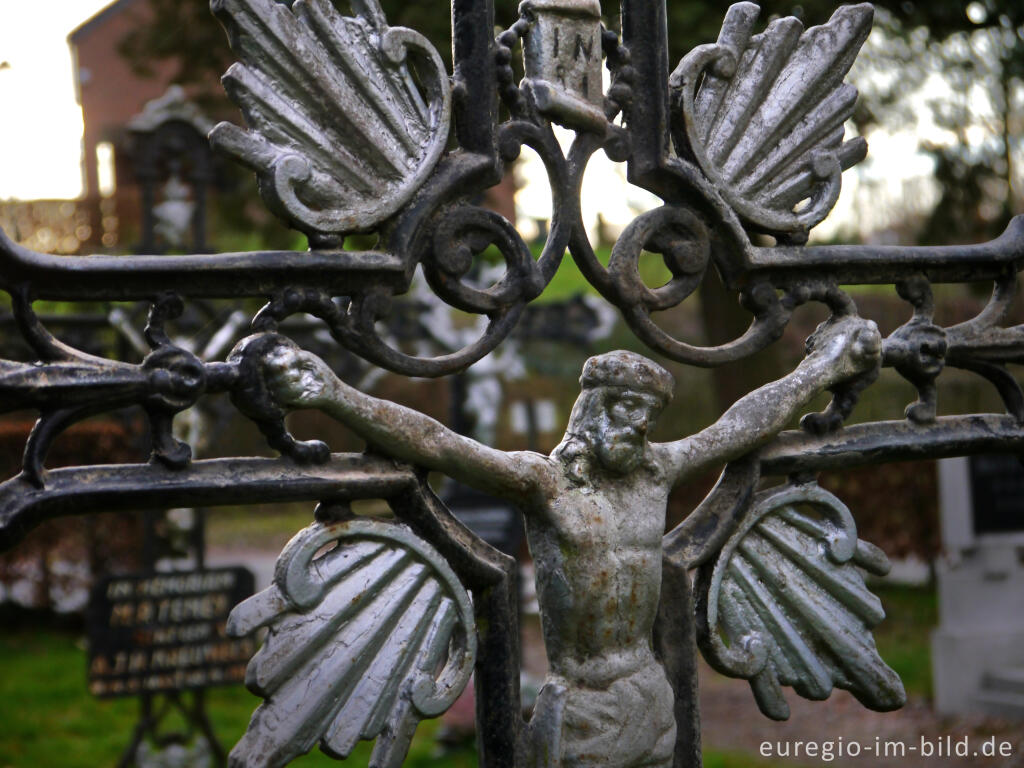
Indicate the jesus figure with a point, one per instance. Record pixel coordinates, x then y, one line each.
595 518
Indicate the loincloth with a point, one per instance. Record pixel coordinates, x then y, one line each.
629 724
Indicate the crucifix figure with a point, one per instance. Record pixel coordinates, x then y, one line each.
595 518
357 126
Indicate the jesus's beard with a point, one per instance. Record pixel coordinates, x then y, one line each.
619 451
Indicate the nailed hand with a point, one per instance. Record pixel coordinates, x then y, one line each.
849 345
296 378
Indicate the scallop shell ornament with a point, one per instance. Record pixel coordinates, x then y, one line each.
347 116
784 604
364 641
763 115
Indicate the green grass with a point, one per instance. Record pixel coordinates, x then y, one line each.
256 526
269 526
903 637
568 281
48 717
50 720
731 759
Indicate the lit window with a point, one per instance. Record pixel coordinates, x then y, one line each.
105 168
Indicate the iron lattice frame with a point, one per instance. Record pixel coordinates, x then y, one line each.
437 230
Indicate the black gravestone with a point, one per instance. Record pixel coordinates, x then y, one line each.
164 632
997 493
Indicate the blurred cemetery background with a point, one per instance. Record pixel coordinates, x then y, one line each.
112 159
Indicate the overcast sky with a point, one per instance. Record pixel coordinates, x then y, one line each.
41 133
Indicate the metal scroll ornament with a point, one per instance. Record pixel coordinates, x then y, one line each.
785 604
764 115
347 116
364 642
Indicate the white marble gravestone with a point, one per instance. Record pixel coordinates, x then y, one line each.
978 648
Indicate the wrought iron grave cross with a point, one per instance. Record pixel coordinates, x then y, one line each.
356 126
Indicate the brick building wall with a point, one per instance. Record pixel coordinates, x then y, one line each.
108 90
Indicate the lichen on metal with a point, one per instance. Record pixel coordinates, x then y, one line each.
355 126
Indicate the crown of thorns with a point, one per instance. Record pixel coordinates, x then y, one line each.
629 370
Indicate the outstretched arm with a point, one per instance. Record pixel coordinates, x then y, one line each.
300 379
840 349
